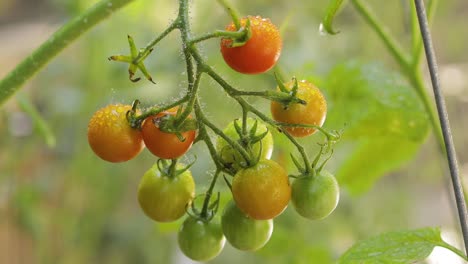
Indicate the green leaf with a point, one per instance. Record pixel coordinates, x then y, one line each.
380 114
402 247
371 101
332 10
371 159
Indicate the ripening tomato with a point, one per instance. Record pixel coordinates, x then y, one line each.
110 135
243 232
312 113
162 144
259 53
315 197
231 157
201 240
262 191
164 198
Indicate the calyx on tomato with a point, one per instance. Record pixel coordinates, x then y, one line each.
257 142
240 41
287 96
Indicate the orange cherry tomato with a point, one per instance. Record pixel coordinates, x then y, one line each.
110 135
260 53
312 113
162 144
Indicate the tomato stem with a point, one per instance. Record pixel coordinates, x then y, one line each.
232 12
205 213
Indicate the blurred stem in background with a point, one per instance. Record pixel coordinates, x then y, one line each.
56 43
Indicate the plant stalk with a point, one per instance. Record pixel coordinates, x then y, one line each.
444 120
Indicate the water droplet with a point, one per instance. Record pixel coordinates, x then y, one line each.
322 30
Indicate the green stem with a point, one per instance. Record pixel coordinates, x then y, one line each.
245 112
155 41
454 250
172 168
192 99
40 123
56 43
203 135
218 34
232 12
417 82
382 32
231 142
416 36
158 109
209 192
411 72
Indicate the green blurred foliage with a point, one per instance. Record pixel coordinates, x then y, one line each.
75 208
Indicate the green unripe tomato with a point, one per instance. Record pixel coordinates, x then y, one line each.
315 197
201 240
165 198
243 232
231 156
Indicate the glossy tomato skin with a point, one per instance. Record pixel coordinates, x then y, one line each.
232 157
260 53
162 144
110 135
243 232
164 198
201 240
262 191
313 113
315 197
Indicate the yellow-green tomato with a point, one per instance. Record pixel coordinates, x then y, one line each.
315 197
243 232
231 157
201 240
164 198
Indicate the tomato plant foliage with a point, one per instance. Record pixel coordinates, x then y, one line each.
380 113
399 247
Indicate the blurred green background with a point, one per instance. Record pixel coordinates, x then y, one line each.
62 204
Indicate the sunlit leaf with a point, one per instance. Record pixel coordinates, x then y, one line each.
332 10
379 112
371 159
403 247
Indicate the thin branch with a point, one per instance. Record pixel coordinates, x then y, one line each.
56 43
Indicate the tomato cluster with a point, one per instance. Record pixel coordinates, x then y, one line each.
260 187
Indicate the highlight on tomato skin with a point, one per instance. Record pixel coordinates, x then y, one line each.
314 112
165 145
110 136
260 53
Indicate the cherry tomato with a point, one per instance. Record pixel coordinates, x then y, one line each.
232 157
315 197
164 198
262 191
243 232
312 113
201 240
162 144
259 53
110 135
